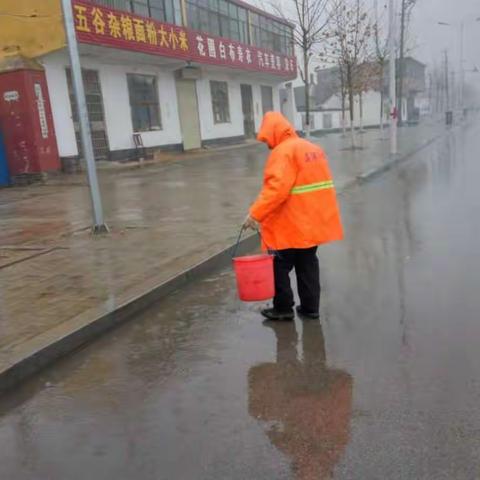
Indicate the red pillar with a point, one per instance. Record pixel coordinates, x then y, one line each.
26 121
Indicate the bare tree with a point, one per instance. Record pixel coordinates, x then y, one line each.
366 79
381 57
343 96
310 18
349 41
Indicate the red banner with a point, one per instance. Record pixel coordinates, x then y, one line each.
100 25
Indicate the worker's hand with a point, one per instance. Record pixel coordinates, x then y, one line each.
250 223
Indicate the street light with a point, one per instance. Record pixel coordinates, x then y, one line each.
462 60
462 73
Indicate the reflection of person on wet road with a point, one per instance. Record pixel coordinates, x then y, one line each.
306 406
297 210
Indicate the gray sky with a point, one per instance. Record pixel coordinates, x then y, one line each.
433 39
430 39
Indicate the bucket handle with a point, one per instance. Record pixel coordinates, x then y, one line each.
233 252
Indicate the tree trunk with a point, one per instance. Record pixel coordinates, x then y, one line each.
382 125
401 69
351 100
307 92
360 98
382 97
343 94
344 126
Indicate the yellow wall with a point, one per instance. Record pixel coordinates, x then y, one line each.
30 27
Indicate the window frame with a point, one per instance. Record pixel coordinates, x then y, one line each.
171 9
223 111
147 104
271 34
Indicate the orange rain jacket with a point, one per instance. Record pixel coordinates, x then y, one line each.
297 207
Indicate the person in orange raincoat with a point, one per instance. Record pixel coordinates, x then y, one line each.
297 209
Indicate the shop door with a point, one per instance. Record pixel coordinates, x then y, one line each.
188 113
96 115
267 99
247 108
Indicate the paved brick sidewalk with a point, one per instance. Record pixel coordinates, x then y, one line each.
164 218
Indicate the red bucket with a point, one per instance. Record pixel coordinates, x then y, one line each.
254 277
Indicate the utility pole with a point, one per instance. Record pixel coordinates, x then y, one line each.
430 91
447 93
401 68
440 90
392 82
99 225
453 90
461 79
462 67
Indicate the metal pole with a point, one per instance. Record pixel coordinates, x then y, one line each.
99 225
462 70
447 92
401 67
393 92
453 89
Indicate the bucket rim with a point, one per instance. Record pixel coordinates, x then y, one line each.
252 258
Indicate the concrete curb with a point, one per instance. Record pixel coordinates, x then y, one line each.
44 350
41 352
375 172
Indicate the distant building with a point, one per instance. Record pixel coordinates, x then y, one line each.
414 83
326 100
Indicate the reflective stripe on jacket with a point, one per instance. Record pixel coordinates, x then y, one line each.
297 206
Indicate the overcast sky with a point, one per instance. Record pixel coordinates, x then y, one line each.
433 39
430 39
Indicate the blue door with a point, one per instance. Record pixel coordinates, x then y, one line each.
4 175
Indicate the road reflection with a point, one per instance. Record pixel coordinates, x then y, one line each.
305 406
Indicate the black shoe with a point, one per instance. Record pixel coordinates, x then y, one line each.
303 314
272 314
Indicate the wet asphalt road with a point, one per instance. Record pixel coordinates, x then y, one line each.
387 387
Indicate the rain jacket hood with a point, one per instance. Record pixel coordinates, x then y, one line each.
275 129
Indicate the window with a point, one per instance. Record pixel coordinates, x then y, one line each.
218 17
143 93
220 107
93 95
226 19
140 7
270 34
267 99
163 10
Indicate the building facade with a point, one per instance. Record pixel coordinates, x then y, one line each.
414 85
168 74
326 111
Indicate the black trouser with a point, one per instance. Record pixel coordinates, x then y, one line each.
305 262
